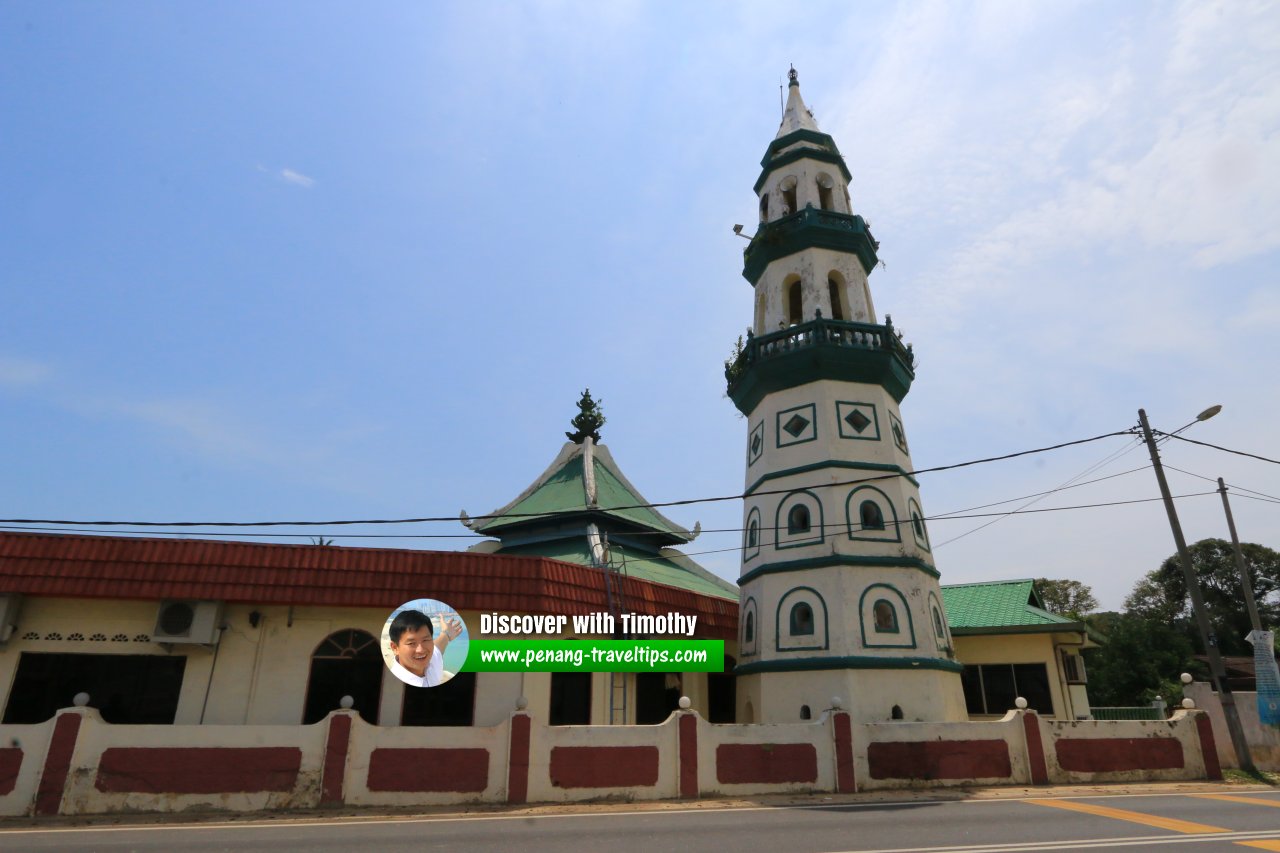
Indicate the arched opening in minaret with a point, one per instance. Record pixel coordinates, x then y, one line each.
788 187
872 516
825 196
749 632
753 534
886 617
802 620
798 520
835 290
764 208
795 301
806 713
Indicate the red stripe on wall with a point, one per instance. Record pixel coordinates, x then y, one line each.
57 763
846 780
1035 749
10 764
940 759
455 770
518 760
1208 747
335 759
688 755
604 766
198 770
746 763
1103 755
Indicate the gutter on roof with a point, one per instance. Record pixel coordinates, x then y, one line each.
1058 628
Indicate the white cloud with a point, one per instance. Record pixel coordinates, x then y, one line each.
297 178
21 372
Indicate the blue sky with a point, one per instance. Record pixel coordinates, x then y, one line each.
301 260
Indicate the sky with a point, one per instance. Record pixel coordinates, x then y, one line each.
315 261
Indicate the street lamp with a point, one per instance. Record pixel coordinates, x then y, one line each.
1216 669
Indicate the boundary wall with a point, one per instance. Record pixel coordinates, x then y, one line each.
77 764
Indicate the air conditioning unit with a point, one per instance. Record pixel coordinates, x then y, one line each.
10 607
195 622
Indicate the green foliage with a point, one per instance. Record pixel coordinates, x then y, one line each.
735 365
588 420
1066 597
1141 659
1161 595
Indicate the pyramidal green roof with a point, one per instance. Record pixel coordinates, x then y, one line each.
567 487
668 566
1000 604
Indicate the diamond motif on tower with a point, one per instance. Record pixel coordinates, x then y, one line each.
755 446
796 425
858 421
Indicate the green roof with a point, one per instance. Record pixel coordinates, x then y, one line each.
668 567
562 489
985 607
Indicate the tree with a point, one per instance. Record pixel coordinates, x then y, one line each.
1161 595
1140 659
1066 597
588 420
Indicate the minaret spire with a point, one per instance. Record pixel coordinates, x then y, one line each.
795 116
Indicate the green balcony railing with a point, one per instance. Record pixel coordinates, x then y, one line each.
820 332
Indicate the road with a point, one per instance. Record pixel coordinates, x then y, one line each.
1232 820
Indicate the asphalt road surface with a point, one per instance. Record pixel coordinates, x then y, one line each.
1195 823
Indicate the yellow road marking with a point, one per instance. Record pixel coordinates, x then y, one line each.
1235 798
1133 817
1261 845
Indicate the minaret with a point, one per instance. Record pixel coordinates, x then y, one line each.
839 594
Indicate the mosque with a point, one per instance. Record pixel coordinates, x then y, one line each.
838 596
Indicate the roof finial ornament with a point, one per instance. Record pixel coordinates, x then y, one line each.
588 420
793 77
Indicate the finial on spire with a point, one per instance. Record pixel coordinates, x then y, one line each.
588 420
793 77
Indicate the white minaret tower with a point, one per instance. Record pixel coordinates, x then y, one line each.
839 594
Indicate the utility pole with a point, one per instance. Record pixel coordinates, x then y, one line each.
1216 669
1249 601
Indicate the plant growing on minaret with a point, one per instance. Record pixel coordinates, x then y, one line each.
588 420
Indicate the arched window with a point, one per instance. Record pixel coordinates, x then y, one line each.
795 303
764 208
837 306
802 619
347 663
805 713
937 624
798 519
872 517
749 632
917 524
824 192
896 713
753 534
886 617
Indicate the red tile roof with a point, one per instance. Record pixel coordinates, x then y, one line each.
255 573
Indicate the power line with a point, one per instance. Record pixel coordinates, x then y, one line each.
1262 496
944 515
824 526
454 518
1035 499
1226 449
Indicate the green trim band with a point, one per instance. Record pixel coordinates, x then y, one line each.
805 229
833 463
817 137
846 662
839 560
1061 628
798 154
